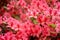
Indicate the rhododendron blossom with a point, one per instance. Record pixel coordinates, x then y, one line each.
30 20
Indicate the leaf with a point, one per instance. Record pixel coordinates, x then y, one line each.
3 27
6 29
33 20
3 3
52 25
10 29
16 16
5 8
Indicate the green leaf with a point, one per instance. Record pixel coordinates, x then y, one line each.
3 27
5 8
52 25
6 29
4 24
10 29
16 16
33 20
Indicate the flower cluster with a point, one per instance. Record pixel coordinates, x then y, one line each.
30 20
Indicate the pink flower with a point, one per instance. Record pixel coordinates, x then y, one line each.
25 17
